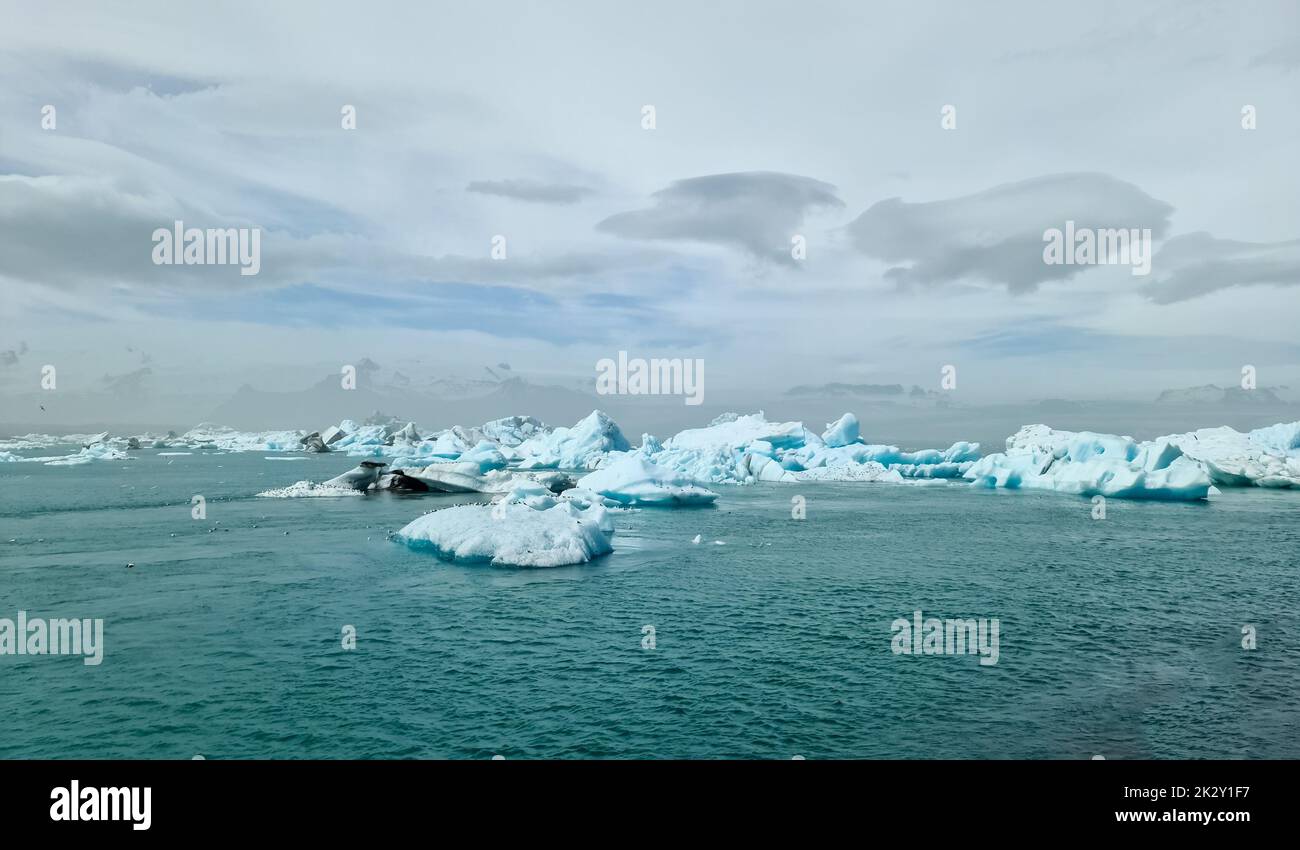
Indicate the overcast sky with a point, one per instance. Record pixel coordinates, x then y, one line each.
772 120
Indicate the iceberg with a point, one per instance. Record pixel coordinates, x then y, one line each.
486 455
93 452
736 449
361 477
634 481
407 434
731 429
1091 464
513 534
457 477
314 443
397 480
581 447
513 430
530 493
842 432
364 440
332 435
1265 457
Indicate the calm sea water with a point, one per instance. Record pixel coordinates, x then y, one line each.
1119 637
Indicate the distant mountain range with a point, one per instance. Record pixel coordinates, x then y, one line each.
1215 394
868 392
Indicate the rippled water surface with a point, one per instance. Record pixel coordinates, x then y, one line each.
1119 637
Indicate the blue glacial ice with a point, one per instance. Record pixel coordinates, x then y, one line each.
1090 464
736 449
583 446
844 431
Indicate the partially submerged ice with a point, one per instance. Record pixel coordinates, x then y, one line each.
513 534
1091 464
634 481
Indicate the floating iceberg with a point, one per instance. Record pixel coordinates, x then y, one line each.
632 480
736 449
406 434
581 447
513 534
93 452
1090 464
1265 457
457 477
842 432
313 442
513 430
486 455
361 477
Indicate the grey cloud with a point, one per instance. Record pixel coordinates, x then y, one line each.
1286 57
533 191
757 211
997 235
1197 263
69 71
10 357
86 234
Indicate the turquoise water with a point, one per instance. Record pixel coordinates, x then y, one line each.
1119 637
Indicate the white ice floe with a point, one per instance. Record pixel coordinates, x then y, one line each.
209 436
1087 464
513 534
97 451
632 480
870 472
